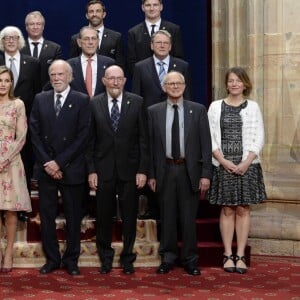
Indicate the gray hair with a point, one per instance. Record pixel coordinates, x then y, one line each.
174 72
35 13
161 31
9 30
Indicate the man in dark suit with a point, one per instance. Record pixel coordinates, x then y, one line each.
147 82
180 167
59 126
139 35
26 71
88 41
117 164
46 51
110 42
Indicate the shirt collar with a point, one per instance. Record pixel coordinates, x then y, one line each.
63 93
40 40
166 60
17 56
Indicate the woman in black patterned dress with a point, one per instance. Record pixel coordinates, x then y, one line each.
237 139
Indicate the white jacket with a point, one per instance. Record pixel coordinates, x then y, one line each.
252 129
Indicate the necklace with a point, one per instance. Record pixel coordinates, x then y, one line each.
234 103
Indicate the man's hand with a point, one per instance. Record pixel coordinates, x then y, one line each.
93 181
141 180
204 184
152 184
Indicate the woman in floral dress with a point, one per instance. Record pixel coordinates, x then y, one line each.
237 134
14 195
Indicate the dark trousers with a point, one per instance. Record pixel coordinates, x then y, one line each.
179 202
72 196
106 209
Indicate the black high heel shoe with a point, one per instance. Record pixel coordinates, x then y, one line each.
225 259
240 270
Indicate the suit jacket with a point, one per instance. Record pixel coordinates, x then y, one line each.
125 150
111 46
50 51
29 82
139 42
61 138
78 82
197 142
145 81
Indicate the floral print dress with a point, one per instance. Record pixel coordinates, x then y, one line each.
14 194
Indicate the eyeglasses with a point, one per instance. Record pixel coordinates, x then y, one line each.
161 43
173 84
11 37
119 79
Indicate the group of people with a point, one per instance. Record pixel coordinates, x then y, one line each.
87 132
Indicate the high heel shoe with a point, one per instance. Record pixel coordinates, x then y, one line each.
7 270
240 270
225 259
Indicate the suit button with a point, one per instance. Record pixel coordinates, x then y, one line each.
64 138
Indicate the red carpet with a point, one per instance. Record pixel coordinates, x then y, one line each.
269 278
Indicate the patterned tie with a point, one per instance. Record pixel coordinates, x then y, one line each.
35 49
161 71
88 77
175 134
57 104
115 115
14 70
152 29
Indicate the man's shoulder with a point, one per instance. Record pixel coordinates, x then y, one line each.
105 59
128 96
178 61
111 32
168 25
136 28
52 44
157 107
194 105
145 62
78 95
74 60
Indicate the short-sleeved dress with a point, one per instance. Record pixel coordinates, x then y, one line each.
14 194
232 189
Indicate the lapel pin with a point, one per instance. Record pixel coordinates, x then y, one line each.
105 35
24 62
70 105
128 102
104 67
191 111
174 66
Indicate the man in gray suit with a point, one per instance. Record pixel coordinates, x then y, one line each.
180 167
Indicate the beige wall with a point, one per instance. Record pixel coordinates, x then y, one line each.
264 37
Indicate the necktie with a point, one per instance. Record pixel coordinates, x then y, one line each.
115 115
175 134
14 70
57 104
161 71
35 49
152 29
88 77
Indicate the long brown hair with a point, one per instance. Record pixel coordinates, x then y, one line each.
4 69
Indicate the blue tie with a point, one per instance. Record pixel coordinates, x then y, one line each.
115 115
161 71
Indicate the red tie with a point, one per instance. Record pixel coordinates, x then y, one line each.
88 77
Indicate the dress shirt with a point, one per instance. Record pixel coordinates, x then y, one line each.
169 122
110 103
40 41
166 62
17 60
63 97
84 61
149 27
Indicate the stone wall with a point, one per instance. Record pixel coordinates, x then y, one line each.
264 38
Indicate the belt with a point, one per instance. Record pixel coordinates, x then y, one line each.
178 161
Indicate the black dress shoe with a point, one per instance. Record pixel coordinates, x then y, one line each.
192 270
73 270
22 216
128 268
147 215
105 269
48 268
164 268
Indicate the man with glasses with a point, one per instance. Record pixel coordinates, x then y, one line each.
89 67
147 82
139 35
37 46
109 43
180 168
117 161
27 84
